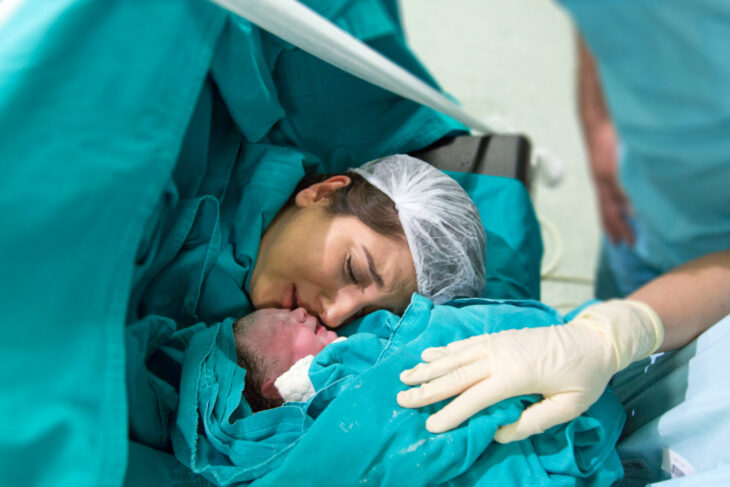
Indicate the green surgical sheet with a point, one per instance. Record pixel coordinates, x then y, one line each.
144 147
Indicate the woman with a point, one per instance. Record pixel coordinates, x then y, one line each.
350 244
340 246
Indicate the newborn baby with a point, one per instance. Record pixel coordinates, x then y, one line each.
276 347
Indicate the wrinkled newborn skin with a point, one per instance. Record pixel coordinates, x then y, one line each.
280 338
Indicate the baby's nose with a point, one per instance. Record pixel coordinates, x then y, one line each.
300 314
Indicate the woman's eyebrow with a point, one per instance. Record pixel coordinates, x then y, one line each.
371 267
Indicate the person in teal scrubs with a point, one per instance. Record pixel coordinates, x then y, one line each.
655 109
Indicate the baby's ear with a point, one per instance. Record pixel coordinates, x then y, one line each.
269 390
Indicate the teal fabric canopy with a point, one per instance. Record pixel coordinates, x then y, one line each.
144 147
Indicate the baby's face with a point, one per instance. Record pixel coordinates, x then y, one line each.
287 335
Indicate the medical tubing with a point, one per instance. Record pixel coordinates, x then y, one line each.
557 253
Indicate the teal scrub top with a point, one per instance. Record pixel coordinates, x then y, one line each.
352 432
666 78
126 129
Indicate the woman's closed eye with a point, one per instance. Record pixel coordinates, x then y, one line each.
348 269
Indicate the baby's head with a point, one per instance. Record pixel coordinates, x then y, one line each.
268 343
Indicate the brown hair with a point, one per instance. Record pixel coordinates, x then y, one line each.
360 199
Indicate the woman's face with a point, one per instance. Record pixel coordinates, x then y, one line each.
335 267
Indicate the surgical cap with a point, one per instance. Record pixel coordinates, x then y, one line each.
441 223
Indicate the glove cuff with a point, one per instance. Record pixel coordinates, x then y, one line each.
632 328
651 320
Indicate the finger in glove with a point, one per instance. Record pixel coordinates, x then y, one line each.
445 386
542 416
424 372
435 353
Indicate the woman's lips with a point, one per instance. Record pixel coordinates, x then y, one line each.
289 301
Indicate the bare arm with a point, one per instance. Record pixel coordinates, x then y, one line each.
592 108
601 145
690 298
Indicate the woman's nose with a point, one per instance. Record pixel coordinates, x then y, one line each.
337 310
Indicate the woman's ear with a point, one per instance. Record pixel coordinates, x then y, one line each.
319 192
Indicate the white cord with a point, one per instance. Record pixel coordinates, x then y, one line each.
551 234
552 240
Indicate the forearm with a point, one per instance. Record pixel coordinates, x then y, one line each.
690 298
592 110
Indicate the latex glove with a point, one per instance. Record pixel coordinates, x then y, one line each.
570 365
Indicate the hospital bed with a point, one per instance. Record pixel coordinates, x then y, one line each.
678 424
494 155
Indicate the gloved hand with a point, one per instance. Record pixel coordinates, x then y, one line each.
570 365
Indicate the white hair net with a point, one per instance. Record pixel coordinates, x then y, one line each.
441 223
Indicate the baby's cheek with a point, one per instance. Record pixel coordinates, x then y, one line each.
306 344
